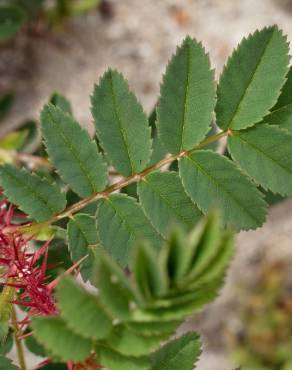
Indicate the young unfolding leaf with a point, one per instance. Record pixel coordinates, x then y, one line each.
212 180
165 202
120 222
82 311
181 353
82 241
34 195
121 125
252 79
187 98
72 152
150 277
53 333
265 153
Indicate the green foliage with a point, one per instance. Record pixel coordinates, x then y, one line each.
121 221
161 172
34 195
72 152
83 241
185 113
281 113
180 353
265 153
6 296
165 202
61 342
129 318
209 179
6 364
252 79
11 20
121 124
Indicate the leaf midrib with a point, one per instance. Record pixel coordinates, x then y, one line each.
256 149
183 123
74 153
237 108
120 123
37 195
166 201
218 185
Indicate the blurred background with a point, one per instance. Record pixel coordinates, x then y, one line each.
65 46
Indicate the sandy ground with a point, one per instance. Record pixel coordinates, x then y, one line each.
138 41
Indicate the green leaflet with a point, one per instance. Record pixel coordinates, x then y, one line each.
181 353
281 113
72 152
165 202
120 222
187 98
252 79
116 294
121 125
150 277
82 241
14 140
6 343
60 101
265 153
6 364
6 296
59 340
114 360
82 311
212 180
129 343
11 20
34 195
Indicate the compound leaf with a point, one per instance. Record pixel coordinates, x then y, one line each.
64 344
265 153
82 241
121 125
165 202
72 152
187 98
34 195
82 311
212 180
180 353
252 79
120 222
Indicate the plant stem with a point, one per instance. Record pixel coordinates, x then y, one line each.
18 343
117 186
